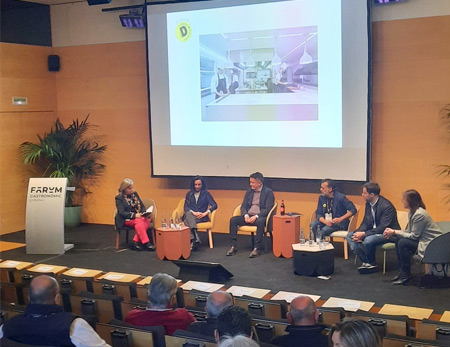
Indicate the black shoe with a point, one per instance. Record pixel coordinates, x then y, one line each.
402 280
193 246
232 251
254 253
149 247
136 246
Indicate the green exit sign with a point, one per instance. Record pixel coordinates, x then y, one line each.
20 100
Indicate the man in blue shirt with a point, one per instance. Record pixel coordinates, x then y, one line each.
333 209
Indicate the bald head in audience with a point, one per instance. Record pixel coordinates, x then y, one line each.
44 290
303 311
216 302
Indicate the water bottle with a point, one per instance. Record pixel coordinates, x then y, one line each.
172 224
311 238
164 222
302 236
318 235
282 208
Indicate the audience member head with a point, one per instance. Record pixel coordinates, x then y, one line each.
256 180
352 332
232 321
162 291
412 200
198 183
216 302
44 290
126 187
370 191
303 311
237 341
327 187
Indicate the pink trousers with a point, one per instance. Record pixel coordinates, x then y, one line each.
140 225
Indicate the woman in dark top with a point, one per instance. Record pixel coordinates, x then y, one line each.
130 209
198 206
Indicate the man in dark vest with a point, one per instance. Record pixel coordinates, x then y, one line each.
44 322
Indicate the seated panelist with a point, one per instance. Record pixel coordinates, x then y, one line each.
420 231
333 209
380 214
198 205
130 209
258 201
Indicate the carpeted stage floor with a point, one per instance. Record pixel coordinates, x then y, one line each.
94 249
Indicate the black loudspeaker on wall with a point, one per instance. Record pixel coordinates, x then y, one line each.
98 2
53 63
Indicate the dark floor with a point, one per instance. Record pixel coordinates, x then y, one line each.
94 249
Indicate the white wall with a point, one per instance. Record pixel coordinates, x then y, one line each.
76 24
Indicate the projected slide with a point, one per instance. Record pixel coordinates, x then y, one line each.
277 86
268 75
256 73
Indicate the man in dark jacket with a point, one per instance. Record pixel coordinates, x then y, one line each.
44 322
215 304
258 202
379 215
333 209
304 329
198 205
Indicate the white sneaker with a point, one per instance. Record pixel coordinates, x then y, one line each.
367 266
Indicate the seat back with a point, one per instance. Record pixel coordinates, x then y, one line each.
279 325
237 212
127 290
404 341
352 225
150 202
175 341
273 309
121 335
427 329
438 250
105 307
402 217
179 209
331 315
394 325
196 299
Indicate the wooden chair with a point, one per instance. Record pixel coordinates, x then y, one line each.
341 235
251 230
204 227
147 203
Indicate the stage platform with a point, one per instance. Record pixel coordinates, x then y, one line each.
95 249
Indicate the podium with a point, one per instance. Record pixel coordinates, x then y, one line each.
44 227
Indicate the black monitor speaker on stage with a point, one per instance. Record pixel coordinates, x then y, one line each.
202 271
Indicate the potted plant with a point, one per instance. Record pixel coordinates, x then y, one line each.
67 152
